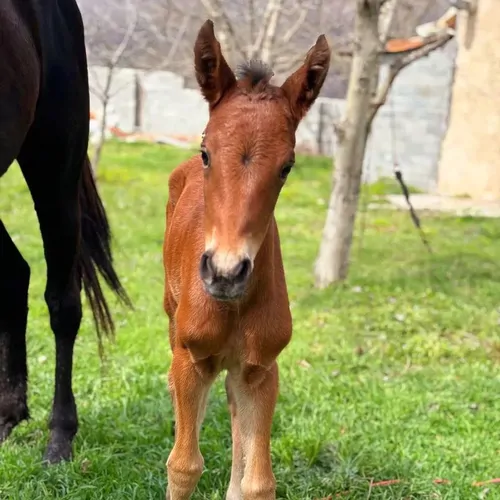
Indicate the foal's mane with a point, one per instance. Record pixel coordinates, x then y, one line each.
254 71
254 79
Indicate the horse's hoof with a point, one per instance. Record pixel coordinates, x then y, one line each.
8 423
5 430
58 450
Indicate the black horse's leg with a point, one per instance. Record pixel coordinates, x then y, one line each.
60 229
45 165
59 225
14 284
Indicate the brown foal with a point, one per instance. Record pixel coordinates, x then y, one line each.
225 289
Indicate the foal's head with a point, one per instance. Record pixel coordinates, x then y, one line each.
247 153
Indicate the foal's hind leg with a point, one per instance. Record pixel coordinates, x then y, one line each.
52 175
14 283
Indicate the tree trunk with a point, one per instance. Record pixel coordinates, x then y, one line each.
139 102
385 18
102 130
333 260
102 138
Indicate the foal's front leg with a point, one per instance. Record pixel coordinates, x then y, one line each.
189 386
255 391
237 463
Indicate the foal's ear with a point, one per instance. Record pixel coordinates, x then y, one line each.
213 74
303 86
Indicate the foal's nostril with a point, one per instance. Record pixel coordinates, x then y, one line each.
207 270
242 270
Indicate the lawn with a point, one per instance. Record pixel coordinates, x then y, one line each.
392 376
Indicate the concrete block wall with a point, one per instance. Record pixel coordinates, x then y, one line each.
122 92
420 99
171 109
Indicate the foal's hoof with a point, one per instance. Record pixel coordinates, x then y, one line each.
58 450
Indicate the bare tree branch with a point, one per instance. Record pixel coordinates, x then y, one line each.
109 57
168 41
227 32
264 41
273 30
384 21
132 24
251 19
402 62
295 26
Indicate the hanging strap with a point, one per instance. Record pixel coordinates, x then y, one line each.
399 177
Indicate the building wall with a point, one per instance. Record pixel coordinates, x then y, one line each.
419 97
171 109
470 162
410 127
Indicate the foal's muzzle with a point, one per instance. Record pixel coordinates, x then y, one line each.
224 284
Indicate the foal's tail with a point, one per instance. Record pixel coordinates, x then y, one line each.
95 254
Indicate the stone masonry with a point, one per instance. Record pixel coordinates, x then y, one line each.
419 98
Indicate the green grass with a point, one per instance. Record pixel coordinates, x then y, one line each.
393 375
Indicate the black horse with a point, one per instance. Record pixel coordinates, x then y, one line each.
44 124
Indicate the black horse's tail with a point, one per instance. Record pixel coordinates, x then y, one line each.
95 254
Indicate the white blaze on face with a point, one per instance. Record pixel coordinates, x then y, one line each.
226 259
250 248
211 241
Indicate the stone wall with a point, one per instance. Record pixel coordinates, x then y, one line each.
170 109
419 98
419 103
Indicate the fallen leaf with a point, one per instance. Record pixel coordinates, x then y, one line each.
388 482
359 351
489 481
441 481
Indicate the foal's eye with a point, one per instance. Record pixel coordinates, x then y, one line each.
205 158
286 170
